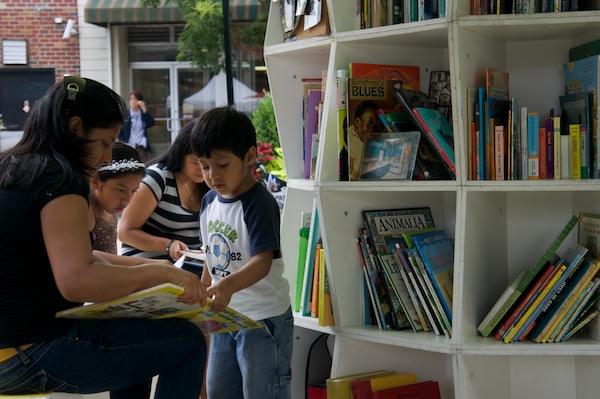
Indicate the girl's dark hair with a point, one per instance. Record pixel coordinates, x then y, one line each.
137 95
173 158
127 156
48 144
223 128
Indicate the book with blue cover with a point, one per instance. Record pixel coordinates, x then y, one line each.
437 252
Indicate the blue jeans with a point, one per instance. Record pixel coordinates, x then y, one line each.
97 356
252 364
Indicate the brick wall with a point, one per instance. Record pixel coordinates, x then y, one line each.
34 21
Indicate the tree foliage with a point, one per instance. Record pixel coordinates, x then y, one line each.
202 41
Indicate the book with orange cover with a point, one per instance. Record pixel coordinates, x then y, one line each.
409 75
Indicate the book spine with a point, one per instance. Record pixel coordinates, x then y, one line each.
533 155
584 151
542 149
557 147
575 135
524 141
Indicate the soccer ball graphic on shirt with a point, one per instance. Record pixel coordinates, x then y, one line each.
219 252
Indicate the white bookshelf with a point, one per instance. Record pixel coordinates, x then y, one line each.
498 227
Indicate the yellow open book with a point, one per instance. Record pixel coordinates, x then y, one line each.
160 302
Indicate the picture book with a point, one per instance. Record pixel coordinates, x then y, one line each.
440 92
389 223
588 233
497 83
510 289
371 302
437 252
363 389
531 274
314 236
389 156
434 127
365 97
311 127
422 390
582 76
325 308
339 387
401 289
401 318
302 250
160 302
409 75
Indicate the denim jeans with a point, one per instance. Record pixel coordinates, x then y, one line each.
97 356
252 364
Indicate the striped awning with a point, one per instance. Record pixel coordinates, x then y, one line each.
103 12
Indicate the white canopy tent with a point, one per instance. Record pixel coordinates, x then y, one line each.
214 94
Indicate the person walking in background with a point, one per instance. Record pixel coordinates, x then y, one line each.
135 129
241 220
47 264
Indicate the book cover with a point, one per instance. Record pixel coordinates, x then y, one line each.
581 307
420 390
362 389
302 250
375 280
510 289
389 156
314 236
339 387
325 310
160 302
390 223
311 128
411 284
408 74
582 76
365 97
497 83
439 133
588 233
401 318
314 291
531 275
533 152
374 301
400 289
437 252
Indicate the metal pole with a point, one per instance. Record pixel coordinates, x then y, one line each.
227 42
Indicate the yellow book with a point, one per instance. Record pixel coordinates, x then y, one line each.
314 293
325 309
575 136
392 381
339 387
510 335
160 302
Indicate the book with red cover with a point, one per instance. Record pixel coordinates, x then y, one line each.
421 390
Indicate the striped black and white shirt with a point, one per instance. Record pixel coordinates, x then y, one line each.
169 219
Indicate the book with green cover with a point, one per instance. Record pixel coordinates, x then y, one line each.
511 300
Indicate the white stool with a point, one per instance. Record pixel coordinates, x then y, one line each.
49 395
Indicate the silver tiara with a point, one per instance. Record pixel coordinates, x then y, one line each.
122 166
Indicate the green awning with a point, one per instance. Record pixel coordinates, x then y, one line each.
102 12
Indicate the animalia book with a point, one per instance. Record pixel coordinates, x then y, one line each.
160 302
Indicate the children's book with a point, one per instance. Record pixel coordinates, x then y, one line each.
437 252
160 302
389 223
389 156
409 75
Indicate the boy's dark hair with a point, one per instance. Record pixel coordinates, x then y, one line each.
127 156
173 158
223 128
47 141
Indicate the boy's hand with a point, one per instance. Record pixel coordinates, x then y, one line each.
221 294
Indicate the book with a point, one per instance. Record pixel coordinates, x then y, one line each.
314 291
408 74
508 291
497 83
374 301
314 236
588 317
581 76
311 128
302 250
588 233
534 289
537 267
389 156
420 390
434 127
387 224
574 134
160 302
437 253
584 50
365 97
376 283
339 387
399 286
362 389
399 316
325 309
580 308
341 122
533 154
